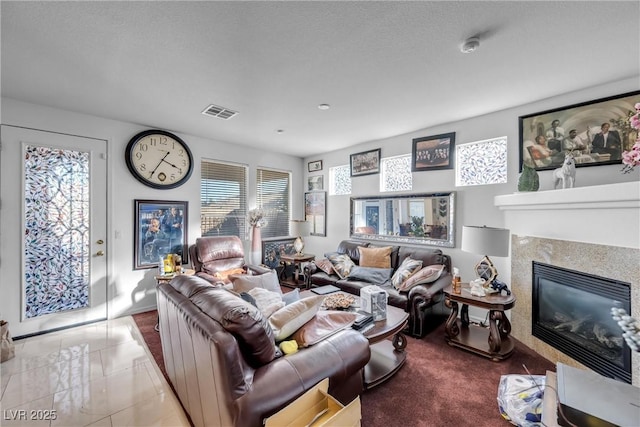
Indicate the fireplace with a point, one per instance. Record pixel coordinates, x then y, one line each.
572 312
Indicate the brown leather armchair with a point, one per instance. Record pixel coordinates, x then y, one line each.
218 254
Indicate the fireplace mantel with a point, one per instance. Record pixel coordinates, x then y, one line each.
621 195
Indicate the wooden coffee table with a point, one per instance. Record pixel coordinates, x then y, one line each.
387 344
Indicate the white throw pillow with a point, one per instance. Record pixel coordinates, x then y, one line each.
245 282
290 318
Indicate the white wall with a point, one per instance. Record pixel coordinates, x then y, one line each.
132 291
474 205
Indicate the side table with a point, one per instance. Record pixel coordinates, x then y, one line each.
460 333
166 278
296 260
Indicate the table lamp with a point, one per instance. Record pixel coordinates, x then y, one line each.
299 228
487 241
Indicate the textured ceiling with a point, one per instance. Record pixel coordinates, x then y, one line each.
386 68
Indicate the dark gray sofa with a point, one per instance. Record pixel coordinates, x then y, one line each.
424 303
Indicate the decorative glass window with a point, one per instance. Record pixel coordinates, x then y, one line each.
339 180
56 235
273 196
395 173
482 162
223 199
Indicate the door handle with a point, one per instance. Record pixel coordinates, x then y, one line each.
100 253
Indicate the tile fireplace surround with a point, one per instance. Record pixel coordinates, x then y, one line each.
590 229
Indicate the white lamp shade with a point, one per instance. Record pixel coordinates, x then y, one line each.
485 240
299 227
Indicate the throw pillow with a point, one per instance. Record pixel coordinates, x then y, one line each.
291 296
224 275
408 267
245 282
268 302
428 274
325 265
376 276
290 318
322 326
342 264
375 257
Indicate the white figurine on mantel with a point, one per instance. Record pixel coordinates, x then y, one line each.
477 288
566 174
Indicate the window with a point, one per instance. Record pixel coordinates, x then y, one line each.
482 162
273 196
339 180
223 199
395 173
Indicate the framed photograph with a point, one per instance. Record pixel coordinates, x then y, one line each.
315 166
365 163
595 133
160 228
433 152
315 183
315 212
273 248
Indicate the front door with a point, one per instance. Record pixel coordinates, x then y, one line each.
53 249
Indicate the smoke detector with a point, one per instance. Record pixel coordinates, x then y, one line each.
470 45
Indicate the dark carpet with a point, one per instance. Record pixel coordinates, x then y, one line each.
438 386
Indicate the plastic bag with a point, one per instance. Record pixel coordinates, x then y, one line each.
7 347
520 399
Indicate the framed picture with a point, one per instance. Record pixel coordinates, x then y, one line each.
365 163
315 183
315 212
595 133
160 228
273 248
315 166
433 152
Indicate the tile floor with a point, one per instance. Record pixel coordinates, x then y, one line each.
99 375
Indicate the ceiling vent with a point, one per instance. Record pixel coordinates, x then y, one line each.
219 112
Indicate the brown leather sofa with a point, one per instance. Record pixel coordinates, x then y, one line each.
424 303
217 254
219 361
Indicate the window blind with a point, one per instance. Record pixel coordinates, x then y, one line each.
273 189
223 199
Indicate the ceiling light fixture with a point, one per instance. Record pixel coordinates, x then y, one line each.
470 45
324 106
280 131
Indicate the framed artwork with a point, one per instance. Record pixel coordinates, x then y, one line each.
365 163
433 152
315 212
315 183
273 248
314 166
595 133
160 228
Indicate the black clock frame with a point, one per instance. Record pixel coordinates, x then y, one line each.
136 174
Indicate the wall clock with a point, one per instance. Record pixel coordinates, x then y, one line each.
159 159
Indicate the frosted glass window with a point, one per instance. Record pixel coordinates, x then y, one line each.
395 173
56 235
482 162
339 180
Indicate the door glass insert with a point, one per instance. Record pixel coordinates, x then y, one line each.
56 235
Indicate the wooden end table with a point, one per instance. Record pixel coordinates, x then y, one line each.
498 345
296 260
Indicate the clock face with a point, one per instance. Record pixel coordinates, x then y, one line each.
159 159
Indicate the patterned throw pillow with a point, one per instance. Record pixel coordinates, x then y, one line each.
408 268
375 257
428 274
342 264
325 265
268 302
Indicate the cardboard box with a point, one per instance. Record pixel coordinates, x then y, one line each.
374 300
319 408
